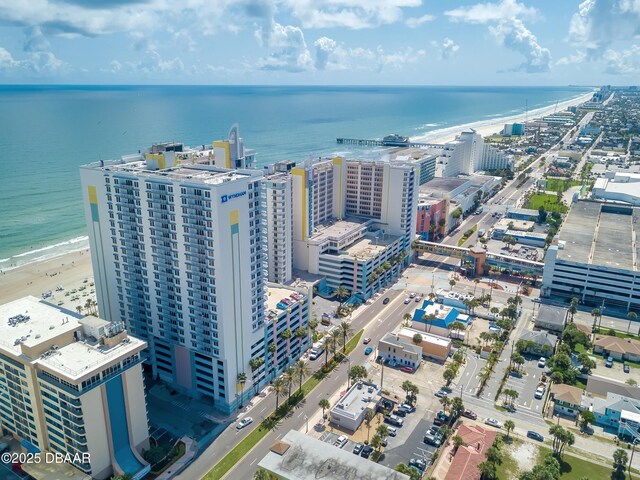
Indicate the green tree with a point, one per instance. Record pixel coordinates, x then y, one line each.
457 441
300 333
345 329
586 418
357 373
509 425
382 430
586 362
289 376
452 283
262 474
342 293
494 455
412 472
620 459
241 379
279 387
302 371
411 391
324 405
633 317
376 442
336 335
417 339
488 470
368 416
449 374
561 438
457 408
595 313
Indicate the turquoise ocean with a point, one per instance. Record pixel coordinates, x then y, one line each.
47 132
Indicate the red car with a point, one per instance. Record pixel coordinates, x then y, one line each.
407 369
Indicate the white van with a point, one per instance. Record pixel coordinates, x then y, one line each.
316 350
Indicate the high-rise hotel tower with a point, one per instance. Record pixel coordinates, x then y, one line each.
177 249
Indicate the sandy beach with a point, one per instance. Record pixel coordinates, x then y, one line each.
68 271
489 127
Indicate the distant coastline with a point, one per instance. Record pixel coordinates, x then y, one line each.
25 228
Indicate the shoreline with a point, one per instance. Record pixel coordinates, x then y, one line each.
71 267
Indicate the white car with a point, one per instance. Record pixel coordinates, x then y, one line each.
542 362
493 422
244 422
407 300
341 441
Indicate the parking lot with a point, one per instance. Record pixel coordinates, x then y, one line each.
526 385
616 371
409 443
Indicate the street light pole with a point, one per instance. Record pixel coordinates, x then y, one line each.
307 420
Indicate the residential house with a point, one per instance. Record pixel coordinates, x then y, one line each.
618 348
465 463
551 318
615 413
396 349
567 400
539 343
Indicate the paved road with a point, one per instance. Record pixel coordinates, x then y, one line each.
383 318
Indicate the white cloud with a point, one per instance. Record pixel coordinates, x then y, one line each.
331 55
491 12
572 59
40 63
514 35
598 25
506 25
448 48
622 62
35 41
414 22
290 49
353 14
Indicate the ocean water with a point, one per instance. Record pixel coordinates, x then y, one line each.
47 132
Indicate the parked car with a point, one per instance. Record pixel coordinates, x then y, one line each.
407 300
407 369
366 340
401 413
535 436
394 420
385 301
357 448
368 350
408 408
418 463
366 451
626 368
539 392
392 431
609 363
412 295
469 414
542 362
341 441
441 394
431 439
493 422
244 422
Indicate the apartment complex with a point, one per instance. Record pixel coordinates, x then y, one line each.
160 238
468 154
73 386
595 256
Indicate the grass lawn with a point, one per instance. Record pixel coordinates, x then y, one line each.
464 238
574 468
508 469
549 202
251 440
561 185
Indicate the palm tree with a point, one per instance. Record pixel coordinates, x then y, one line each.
574 307
324 404
273 350
345 329
279 387
632 316
368 416
595 313
445 401
476 281
406 320
382 430
300 333
289 376
312 325
452 283
329 343
241 379
336 335
342 293
301 370
79 309
509 425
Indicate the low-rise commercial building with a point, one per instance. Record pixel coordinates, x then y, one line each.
437 318
300 457
73 386
526 214
352 407
551 318
618 348
618 187
595 257
433 346
396 349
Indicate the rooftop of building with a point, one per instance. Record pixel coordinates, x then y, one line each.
466 461
400 342
601 387
618 345
443 185
426 336
552 314
566 393
601 234
370 245
523 212
520 225
31 321
275 295
61 340
445 315
338 229
411 153
300 457
539 337
196 173
357 399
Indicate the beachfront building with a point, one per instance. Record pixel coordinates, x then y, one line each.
277 200
424 158
353 221
178 255
468 154
594 257
73 386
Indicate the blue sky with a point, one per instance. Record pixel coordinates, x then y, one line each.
350 42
